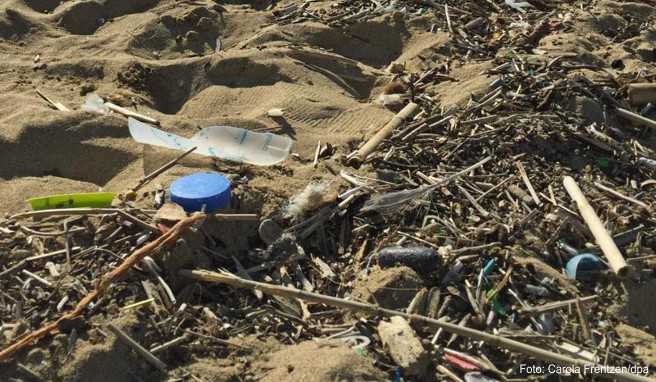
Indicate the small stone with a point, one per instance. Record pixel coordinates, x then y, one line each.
170 212
403 346
391 288
86 89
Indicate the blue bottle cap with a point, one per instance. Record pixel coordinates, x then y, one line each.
208 189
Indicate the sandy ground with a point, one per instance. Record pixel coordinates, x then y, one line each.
160 58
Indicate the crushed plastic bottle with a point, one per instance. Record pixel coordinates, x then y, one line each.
224 142
95 104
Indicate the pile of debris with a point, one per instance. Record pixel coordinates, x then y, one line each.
496 229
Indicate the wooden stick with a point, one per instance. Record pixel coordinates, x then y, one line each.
130 113
138 221
64 212
636 118
235 217
101 286
166 345
642 258
315 163
621 196
582 320
490 339
143 181
548 307
28 372
604 240
454 377
148 356
37 278
373 142
448 18
528 184
56 105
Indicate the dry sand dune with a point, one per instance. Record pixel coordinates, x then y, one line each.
189 65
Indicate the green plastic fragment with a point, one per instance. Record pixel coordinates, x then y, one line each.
89 200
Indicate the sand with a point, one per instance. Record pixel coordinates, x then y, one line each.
160 58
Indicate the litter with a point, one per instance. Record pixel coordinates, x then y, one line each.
584 267
421 259
203 191
486 226
223 142
90 199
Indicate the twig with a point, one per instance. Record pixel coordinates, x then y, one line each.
235 217
139 303
621 196
67 245
166 345
37 278
584 323
315 162
448 18
64 212
495 187
527 182
146 179
473 201
148 356
51 234
454 377
29 372
215 339
56 105
491 339
138 221
555 305
636 118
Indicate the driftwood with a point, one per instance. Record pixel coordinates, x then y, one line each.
491 339
605 241
635 118
373 142
130 113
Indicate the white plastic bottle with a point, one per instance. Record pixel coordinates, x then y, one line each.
224 142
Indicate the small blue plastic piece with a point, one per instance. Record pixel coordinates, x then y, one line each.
489 266
583 267
202 191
